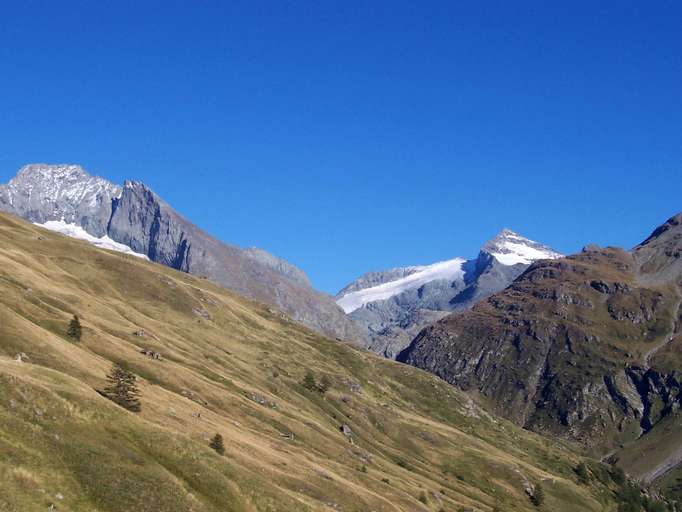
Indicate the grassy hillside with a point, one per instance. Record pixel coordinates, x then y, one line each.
233 367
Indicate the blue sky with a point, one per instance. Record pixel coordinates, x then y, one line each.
356 136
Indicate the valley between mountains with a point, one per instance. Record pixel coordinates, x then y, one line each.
384 437
525 379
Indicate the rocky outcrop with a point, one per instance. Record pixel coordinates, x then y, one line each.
133 215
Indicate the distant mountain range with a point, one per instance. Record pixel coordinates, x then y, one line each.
384 311
392 306
133 219
586 347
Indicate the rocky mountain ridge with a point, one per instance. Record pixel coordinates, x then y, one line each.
391 307
133 215
585 347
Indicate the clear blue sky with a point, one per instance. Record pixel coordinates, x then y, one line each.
355 136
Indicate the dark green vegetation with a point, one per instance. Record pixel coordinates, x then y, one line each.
121 388
587 348
231 367
538 495
582 473
217 444
75 330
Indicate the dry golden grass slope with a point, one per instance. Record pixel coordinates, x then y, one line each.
234 367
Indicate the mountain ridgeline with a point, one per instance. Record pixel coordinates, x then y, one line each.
134 216
391 307
586 347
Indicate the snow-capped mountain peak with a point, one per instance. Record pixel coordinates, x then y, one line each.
60 181
43 193
391 306
510 248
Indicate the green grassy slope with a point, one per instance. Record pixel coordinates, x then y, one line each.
234 367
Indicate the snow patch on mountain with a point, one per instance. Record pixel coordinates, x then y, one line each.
507 248
519 253
510 248
75 231
450 270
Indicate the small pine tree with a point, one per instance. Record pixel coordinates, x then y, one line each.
122 388
618 476
423 498
309 381
217 444
538 495
325 384
75 330
583 475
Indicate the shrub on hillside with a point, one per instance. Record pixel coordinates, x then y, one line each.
217 444
538 495
583 475
75 330
309 381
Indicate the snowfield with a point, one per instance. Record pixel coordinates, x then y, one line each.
450 270
508 248
78 232
515 249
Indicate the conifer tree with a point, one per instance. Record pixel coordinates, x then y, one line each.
122 388
325 384
583 475
75 330
217 444
538 495
309 381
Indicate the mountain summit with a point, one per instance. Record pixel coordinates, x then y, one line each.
392 306
41 193
510 248
586 347
134 219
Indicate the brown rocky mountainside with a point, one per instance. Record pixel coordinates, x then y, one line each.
586 347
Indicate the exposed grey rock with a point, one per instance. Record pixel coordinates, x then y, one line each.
135 216
370 279
585 347
391 324
283 267
41 192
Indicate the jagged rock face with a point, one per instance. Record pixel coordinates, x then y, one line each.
145 223
41 192
135 216
580 347
390 324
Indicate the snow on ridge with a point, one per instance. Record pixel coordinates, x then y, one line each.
512 253
61 182
75 231
450 269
